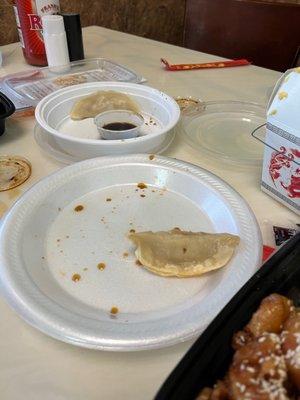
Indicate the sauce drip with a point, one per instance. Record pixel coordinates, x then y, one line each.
101 266
142 185
76 278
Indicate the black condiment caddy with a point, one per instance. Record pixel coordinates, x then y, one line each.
7 108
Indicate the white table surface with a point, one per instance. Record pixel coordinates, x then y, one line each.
34 366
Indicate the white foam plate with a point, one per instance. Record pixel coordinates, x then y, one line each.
51 147
43 242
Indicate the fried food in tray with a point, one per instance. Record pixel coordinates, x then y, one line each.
266 363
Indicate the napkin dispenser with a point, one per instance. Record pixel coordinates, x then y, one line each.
281 164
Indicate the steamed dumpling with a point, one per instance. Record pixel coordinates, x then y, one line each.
183 254
98 102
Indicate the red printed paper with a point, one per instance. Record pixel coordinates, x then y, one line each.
217 64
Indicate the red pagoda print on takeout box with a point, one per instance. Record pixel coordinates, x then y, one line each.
281 166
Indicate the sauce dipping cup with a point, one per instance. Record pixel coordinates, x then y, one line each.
118 117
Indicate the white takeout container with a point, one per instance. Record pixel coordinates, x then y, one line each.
81 138
112 116
281 166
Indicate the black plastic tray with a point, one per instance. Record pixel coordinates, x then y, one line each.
6 109
208 359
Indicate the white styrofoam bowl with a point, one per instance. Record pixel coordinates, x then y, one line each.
80 138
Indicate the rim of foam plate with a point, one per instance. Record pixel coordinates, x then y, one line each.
39 113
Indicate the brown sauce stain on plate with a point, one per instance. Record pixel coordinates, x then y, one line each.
142 185
76 278
101 266
114 310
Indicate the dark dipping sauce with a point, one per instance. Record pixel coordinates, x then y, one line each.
119 126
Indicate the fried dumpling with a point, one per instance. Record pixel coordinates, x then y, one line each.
98 102
183 254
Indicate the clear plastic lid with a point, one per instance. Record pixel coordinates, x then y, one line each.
223 130
26 89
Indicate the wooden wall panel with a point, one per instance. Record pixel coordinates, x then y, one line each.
266 34
156 19
276 1
8 31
